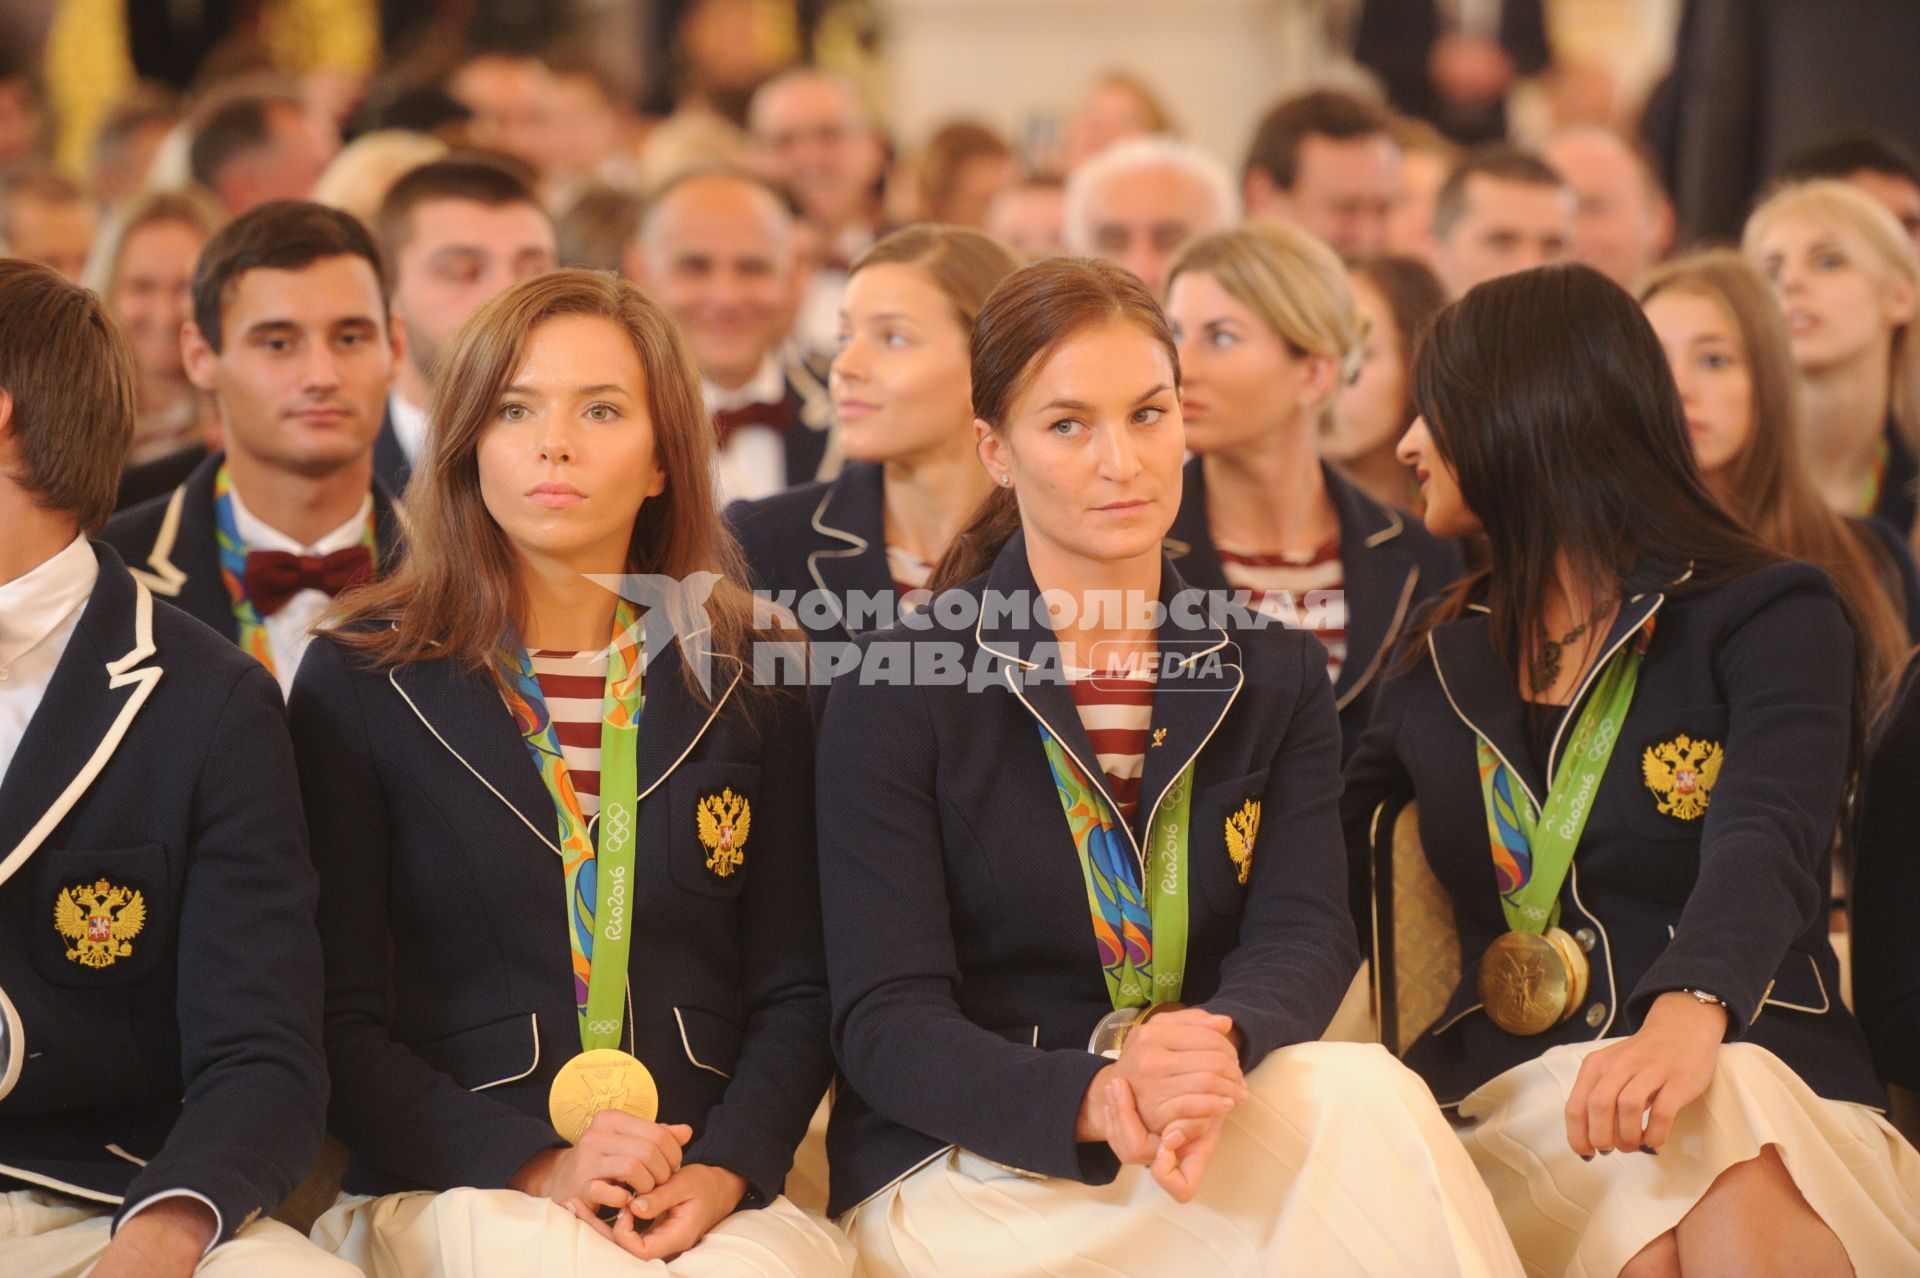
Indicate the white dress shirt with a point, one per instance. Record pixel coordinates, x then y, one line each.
290 629
754 462
38 612
409 427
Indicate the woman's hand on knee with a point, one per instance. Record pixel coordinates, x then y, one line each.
1627 1096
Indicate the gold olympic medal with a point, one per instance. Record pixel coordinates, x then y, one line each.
1531 983
605 1078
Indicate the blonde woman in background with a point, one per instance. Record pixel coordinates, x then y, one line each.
1266 328
1848 281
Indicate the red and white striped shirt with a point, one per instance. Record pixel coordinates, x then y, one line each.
1116 709
1304 591
574 685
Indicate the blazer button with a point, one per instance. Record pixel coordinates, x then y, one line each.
1588 938
1596 1015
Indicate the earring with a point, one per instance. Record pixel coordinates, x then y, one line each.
1006 481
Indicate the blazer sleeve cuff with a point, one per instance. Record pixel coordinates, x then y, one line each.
220 1234
1742 1003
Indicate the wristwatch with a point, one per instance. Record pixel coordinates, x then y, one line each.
1705 997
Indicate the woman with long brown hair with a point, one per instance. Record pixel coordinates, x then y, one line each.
1628 737
866 541
1081 870
1394 298
574 976
1732 360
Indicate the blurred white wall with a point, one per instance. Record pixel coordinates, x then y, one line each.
1018 64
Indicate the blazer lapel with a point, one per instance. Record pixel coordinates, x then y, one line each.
851 512
101 682
1380 578
1482 693
1200 678
1030 660
183 565
467 715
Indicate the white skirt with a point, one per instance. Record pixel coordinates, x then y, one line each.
48 1236
1341 1164
1574 1219
482 1233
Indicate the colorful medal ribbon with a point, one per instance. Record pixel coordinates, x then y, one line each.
233 569
1532 852
1141 929
599 883
1869 499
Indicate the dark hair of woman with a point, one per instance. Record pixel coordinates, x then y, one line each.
1549 396
1030 315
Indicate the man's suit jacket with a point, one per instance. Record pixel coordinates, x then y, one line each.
158 764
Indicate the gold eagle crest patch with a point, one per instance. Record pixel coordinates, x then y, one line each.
1243 827
101 920
722 821
1681 773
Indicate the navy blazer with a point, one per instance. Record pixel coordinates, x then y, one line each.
1732 901
158 763
962 961
443 915
828 536
390 465
1390 563
1886 885
170 544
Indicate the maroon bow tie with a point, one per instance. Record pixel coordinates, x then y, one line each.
274 576
776 417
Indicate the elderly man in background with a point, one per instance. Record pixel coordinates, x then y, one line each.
1138 201
718 250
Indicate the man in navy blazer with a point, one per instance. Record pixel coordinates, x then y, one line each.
161 1077
291 336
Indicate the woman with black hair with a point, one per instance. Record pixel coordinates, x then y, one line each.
1628 737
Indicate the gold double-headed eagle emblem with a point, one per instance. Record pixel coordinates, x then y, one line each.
723 820
1243 827
101 920
1681 773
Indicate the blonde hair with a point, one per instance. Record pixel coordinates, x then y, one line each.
1293 282
360 176
1889 256
191 206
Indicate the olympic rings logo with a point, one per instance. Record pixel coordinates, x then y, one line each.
603 1027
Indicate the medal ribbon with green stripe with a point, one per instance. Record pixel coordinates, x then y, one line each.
1141 929
599 880
1533 852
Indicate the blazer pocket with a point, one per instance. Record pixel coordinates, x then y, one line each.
502 1051
1222 841
715 826
711 1042
102 917
1798 986
1675 766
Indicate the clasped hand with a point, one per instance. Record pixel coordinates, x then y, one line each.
635 1167
1163 1104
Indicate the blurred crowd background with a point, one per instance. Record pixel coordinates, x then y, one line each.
130 129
